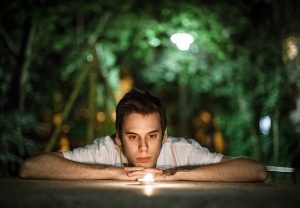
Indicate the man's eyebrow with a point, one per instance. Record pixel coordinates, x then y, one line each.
128 132
150 132
154 131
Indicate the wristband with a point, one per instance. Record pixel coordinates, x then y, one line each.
170 172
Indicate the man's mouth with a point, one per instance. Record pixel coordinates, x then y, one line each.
143 159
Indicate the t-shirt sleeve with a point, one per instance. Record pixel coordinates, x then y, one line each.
202 156
88 154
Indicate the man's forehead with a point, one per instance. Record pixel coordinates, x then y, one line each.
143 116
136 122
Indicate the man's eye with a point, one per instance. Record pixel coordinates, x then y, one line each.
132 137
152 136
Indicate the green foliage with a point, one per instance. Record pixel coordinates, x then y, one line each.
15 141
233 69
235 127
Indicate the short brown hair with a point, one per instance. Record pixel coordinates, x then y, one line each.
138 101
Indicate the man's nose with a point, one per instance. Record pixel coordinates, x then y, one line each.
143 146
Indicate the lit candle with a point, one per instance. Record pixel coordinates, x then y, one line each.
148 179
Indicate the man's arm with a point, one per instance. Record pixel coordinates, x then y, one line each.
228 170
55 166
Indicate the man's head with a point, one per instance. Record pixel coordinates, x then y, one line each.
141 126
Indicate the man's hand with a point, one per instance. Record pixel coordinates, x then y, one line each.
135 173
126 173
228 170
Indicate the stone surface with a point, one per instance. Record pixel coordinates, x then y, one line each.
106 193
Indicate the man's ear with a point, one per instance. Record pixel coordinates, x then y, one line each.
165 138
118 140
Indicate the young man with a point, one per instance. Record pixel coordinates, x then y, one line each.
141 146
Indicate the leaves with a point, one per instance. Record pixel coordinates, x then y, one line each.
14 144
233 69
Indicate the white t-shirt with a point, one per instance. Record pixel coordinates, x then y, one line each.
174 153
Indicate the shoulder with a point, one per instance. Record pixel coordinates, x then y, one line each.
189 152
106 141
176 151
100 152
103 143
182 142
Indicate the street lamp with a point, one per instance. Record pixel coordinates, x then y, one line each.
183 41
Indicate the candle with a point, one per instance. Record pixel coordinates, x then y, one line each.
148 179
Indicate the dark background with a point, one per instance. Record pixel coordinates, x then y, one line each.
65 64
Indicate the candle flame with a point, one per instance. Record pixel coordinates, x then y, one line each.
148 177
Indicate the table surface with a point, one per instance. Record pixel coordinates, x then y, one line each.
107 193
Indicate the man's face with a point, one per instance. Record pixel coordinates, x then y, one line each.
142 138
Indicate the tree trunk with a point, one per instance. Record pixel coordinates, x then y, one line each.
256 144
91 103
91 43
248 114
275 137
67 109
20 77
79 28
24 77
183 111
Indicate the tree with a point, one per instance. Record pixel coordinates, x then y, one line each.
228 72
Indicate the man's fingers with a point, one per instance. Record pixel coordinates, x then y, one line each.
153 170
133 168
136 173
145 171
140 171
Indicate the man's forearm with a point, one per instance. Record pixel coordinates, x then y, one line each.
54 166
235 170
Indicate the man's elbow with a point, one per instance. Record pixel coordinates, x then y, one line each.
262 174
257 170
34 167
25 170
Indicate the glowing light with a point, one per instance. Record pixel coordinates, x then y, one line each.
148 190
219 142
206 117
100 116
126 84
148 179
57 119
64 144
183 41
265 125
113 116
290 48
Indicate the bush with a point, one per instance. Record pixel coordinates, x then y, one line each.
16 129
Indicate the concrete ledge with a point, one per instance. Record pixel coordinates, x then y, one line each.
107 193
